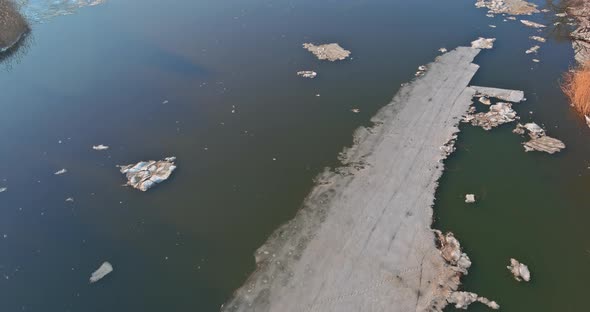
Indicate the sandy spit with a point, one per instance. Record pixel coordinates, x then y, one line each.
362 240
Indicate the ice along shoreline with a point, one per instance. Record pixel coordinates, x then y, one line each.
363 239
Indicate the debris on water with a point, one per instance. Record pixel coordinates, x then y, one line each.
469 198
483 43
533 49
442 50
3 189
70 200
463 299
511 7
307 74
146 174
499 113
102 271
100 147
331 52
318 95
519 270
538 38
485 100
532 24
355 110
60 172
539 141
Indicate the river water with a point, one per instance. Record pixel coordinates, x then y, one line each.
213 83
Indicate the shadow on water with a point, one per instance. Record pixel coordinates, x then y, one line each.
158 56
16 53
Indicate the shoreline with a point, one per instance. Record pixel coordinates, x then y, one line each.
363 239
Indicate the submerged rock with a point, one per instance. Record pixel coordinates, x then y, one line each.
13 26
499 113
102 271
532 24
462 300
483 43
519 270
512 7
307 74
146 174
331 52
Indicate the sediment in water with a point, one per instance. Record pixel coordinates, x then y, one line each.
362 240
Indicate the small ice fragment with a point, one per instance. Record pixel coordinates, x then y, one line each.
104 269
100 147
307 74
60 172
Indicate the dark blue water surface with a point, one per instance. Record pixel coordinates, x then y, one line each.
250 136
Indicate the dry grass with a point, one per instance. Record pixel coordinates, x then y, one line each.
576 85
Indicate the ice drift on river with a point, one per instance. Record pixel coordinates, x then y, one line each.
41 10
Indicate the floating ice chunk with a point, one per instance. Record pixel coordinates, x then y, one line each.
102 271
100 147
60 172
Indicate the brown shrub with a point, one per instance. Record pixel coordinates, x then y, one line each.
576 85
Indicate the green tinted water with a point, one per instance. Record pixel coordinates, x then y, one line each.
101 76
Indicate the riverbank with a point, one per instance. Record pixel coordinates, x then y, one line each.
13 25
576 81
363 239
580 10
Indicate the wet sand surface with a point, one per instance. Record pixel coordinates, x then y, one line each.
362 241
